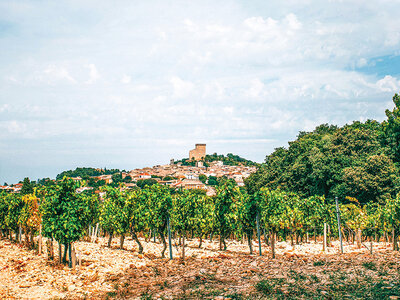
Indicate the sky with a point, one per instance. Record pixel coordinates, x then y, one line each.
129 84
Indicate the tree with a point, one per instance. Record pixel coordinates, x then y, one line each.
27 187
139 212
65 214
328 162
114 215
203 178
204 221
167 178
212 180
29 217
392 129
14 207
226 202
374 179
393 213
247 213
184 214
127 179
146 182
354 217
158 198
314 212
273 209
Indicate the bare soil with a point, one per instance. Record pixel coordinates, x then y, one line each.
304 272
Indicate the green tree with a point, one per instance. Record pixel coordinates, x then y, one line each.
27 187
115 215
247 213
392 129
203 178
29 217
184 214
139 211
393 213
212 180
374 179
116 179
65 214
273 205
15 205
127 179
146 182
226 202
158 197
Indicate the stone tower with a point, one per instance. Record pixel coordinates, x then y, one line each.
198 153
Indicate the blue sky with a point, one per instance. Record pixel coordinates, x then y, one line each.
126 84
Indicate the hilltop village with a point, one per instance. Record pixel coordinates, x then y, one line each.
196 172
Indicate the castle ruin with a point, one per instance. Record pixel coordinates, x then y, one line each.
198 153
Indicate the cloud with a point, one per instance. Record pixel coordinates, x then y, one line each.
388 84
126 79
54 73
93 74
80 85
256 89
181 88
15 127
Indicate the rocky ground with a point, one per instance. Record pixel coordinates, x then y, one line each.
304 272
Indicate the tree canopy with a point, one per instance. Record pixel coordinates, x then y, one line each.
356 160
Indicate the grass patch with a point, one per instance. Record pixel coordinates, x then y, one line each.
370 265
318 263
298 276
146 296
265 287
235 296
111 295
270 286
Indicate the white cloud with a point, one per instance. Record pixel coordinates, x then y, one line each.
126 79
54 73
388 84
181 88
256 89
4 107
15 127
93 74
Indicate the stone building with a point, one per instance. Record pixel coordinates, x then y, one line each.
198 153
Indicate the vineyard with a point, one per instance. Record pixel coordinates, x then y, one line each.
57 221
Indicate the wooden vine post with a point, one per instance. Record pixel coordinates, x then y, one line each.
359 238
325 238
169 237
273 236
40 239
258 233
338 220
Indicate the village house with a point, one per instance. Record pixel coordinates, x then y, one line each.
106 178
188 184
144 176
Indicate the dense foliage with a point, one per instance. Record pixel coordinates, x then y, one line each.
86 172
358 160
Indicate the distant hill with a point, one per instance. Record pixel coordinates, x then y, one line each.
86 172
228 160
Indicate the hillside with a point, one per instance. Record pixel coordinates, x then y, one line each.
228 160
86 172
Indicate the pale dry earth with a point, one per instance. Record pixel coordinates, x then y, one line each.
206 273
